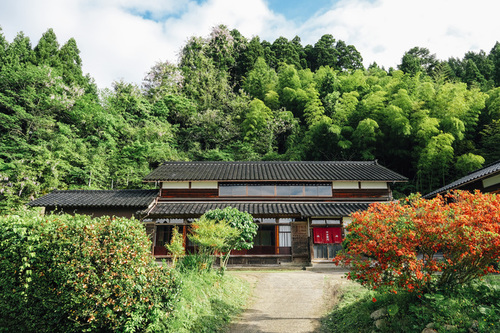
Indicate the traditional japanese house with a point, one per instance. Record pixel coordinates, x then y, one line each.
301 207
486 179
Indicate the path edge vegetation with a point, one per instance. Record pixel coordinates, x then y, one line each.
65 273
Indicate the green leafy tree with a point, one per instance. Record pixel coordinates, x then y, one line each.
47 50
494 57
323 53
71 67
242 221
256 127
213 237
162 79
435 161
176 246
418 59
260 80
490 137
221 48
313 110
467 163
323 141
19 52
3 46
349 58
365 137
287 52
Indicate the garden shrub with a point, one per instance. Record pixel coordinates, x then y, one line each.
213 237
62 273
176 246
193 262
401 245
241 221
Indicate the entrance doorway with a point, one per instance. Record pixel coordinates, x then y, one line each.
326 242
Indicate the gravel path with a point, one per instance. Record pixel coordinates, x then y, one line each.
291 302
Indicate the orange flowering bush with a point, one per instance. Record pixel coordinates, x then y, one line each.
403 245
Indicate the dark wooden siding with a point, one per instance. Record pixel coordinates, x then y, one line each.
361 193
478 185
189 193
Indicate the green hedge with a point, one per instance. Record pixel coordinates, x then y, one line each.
62 273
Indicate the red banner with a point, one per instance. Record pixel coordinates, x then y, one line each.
327 235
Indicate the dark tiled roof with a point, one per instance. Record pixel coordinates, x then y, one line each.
184 209
473 176
96 198
277 171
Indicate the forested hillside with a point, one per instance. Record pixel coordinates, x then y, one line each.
234 98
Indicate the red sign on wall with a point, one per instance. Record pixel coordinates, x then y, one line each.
327 235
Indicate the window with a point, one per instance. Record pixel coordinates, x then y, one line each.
327 221
324 190
280 190
225 191
260 190
265 236
239 190
163 235
311 190
285 236
266 220
233 190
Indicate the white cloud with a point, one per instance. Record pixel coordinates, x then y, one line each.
383 30
116 42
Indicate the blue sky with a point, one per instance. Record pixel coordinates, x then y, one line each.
122 39
299 10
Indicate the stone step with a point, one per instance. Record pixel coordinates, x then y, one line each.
325 266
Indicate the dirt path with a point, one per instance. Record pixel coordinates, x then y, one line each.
291 302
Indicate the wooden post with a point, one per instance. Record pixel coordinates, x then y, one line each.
277 239
184 235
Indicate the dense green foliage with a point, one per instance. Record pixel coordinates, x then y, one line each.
212 237
233 98
64 273
219 231
176 246
471 308
242 221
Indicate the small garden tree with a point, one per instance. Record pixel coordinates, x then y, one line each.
213 237
241 221
399 244
176 246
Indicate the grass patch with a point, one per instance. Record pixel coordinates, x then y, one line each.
352 312
471 308
208 301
